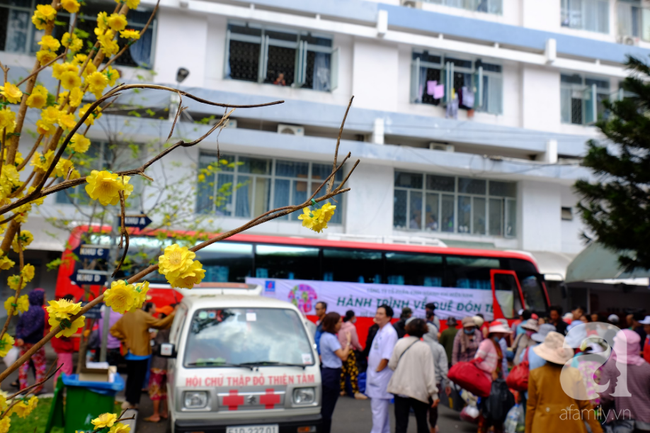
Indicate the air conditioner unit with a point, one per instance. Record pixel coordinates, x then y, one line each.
628 40
441 146
291 129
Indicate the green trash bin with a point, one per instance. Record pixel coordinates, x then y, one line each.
84 401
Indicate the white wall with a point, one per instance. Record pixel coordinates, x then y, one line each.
540 94
375 75
369 208
571 241
540 204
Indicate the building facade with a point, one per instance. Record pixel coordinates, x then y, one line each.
470 117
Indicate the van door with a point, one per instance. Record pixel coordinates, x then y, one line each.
506 294
175 334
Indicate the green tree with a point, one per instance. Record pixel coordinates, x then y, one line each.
615 206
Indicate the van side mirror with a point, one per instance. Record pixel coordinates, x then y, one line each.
167 350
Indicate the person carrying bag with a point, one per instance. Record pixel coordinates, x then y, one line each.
414 380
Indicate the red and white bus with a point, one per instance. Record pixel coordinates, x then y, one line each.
512 277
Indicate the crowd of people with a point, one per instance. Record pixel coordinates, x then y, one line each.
133 340
571 367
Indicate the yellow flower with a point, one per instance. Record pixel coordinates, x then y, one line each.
130 34
97 82
7 118
50 115
91 119
70 80
111 75
67 121
3 401
63 167
105 187
79 59
104 420
26 237
63 309
188 278
317 219
44 128
72 42
67 328
44 57
14 282
201 177
175 260
42 15
76 96
6 343
90 68
28 272
307 218
102 22
11 93
79 143
120 297
58 69
20 306
132 4
72 6
108 45
23 409
140 295
120 428
48 42
5 424
38 98
117 22
6 263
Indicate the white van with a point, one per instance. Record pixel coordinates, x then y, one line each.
241 363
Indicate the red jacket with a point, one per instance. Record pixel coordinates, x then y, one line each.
62 345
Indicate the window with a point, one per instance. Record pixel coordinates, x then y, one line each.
630 20
248 187
280 56
478 85
455 205
367 265
18 34
292 263
226 262
591 15
582 98
105 156
488 6
415 269
567 214
471 272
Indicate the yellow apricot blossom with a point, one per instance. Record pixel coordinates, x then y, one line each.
120 297
175 260
24 408
131 4
79 143
38 98
5 424
70 80
117 22
130 34
19 306
28 272
72 6
104 420
140 295
6 263
317 219
7 118
45 56
97 82
6 343
14 281
60 313
25 236
188 278
58 69
67 121
90 120
11 92
120 428
72 42
48 42
112 75
105 187
102 23
42 15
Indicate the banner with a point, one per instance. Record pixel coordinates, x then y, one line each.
364 299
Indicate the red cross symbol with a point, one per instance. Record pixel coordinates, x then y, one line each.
233 401
270 399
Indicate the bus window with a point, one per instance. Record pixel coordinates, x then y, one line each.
226 262
470 272
533 293
357 266
414 269
507 293
292 263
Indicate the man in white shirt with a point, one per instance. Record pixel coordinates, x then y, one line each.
378 373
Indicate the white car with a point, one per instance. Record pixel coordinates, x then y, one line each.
241 363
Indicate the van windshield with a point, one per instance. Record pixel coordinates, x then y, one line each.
247 336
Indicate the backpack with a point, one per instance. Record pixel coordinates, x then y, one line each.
499 402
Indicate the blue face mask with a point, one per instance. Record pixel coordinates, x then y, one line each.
468 331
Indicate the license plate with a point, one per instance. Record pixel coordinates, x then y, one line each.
253 429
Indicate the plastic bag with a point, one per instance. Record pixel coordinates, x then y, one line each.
11 356
515 420
499 402
470 414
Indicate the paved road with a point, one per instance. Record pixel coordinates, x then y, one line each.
350 416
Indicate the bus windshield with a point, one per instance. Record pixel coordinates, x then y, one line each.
250 336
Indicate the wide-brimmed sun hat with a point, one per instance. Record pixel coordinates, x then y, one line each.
478 320
553 349
468 322
498 327
531 325
540 335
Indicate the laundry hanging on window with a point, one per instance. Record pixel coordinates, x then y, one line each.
452 106
467 95
431 87
439 91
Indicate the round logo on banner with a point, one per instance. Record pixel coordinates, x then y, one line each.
303 297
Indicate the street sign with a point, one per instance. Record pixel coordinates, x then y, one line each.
92 251
95 312
96 278
139 221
